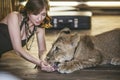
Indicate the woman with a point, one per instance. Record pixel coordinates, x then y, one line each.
18 27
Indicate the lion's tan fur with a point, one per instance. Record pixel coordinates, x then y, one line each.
74 51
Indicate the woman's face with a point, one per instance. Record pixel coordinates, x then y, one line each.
37 19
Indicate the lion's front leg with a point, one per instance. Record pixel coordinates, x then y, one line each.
115 61
69 67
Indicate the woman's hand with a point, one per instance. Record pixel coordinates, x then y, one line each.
46 67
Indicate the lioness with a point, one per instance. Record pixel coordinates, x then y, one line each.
71 52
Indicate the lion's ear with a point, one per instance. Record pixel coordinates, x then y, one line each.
65 31
75 39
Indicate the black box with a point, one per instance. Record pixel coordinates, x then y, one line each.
71 19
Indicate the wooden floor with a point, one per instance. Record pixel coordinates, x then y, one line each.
24 70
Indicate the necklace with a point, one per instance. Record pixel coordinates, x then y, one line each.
30 36
29 42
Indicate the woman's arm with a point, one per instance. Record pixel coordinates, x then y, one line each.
14 31
41 49
41 43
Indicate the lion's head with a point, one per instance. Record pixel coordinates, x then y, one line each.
63 48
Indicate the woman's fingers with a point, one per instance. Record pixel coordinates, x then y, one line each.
46 67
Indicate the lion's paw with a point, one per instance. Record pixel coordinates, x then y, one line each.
63 68
115 61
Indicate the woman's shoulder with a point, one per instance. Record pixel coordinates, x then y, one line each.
10 16
13 14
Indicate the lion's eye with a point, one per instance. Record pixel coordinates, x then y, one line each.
57 48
